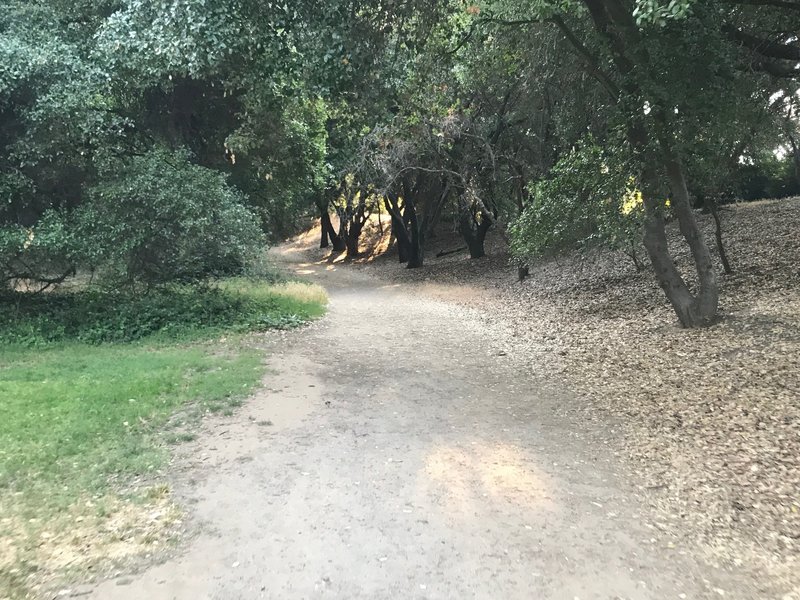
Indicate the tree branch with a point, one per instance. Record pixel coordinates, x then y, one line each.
593 66
762 46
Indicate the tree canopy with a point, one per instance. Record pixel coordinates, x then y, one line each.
152 140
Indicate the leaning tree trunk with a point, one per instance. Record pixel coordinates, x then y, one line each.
328 233
356 222
416 228
407 229
692 310
324 226
398 227
713 208
324 239
337 240
402 241
707 298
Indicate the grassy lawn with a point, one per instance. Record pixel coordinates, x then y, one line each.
85 427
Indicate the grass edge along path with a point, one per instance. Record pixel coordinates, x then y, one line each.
85 428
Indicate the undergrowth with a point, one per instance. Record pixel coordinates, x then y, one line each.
97 316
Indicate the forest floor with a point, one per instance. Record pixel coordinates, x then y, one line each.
448 432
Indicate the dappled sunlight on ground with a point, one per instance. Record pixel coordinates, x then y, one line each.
464 477
375 241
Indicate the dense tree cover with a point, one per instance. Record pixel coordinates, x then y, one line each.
150 140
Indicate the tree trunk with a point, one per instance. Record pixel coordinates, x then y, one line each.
474 234
416 245
337 240
354 234
323 240
398 227
707 298
434 213
326 228
351 245
723 255
670 280
692 311
328 233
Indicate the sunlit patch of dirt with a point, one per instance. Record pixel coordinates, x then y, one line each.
500 471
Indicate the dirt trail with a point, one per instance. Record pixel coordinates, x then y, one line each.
407 459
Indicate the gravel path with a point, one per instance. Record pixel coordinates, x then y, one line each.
393 454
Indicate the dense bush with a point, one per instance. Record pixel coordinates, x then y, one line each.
153 219
44 252
770 177
589 200
159 218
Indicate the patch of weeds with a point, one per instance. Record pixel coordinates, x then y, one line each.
157 492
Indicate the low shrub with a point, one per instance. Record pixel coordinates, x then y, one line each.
96 316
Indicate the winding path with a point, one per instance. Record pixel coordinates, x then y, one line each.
408 460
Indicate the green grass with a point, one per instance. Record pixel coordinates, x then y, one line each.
95 387
75 415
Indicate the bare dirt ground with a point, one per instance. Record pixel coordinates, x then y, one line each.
395 452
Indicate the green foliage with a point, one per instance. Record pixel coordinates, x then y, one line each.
151 40
100 316
659 12
36 252
158 218
589 200
769 177
282 145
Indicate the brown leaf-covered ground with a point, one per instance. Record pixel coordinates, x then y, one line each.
711 417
